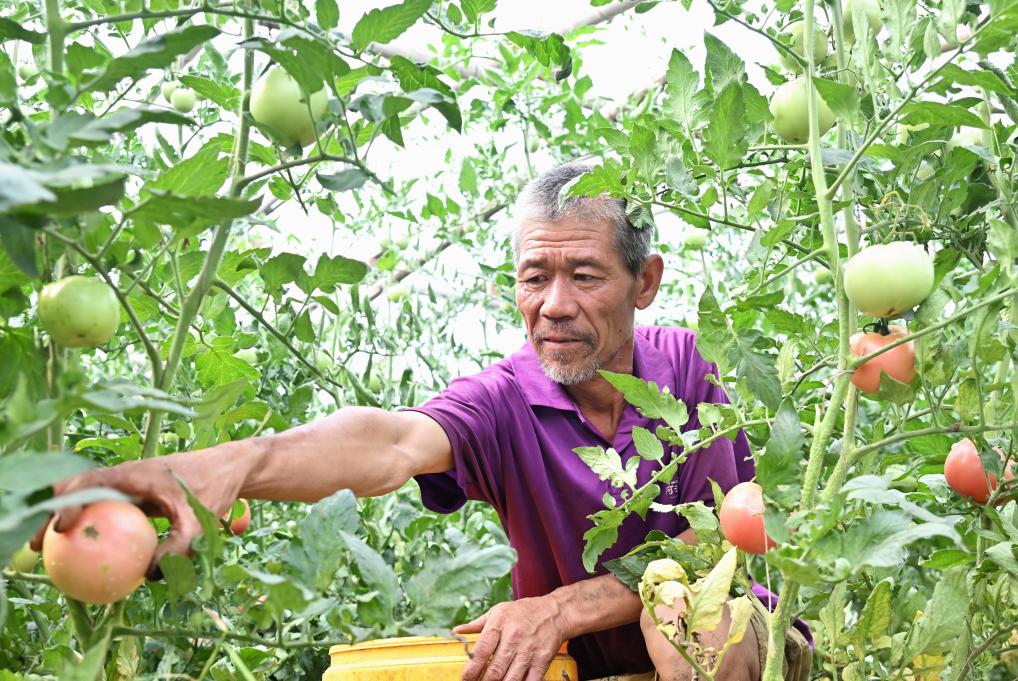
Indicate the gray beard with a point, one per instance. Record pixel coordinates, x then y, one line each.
571 375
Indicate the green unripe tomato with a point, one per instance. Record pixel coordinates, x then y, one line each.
384 243
822 275
888 279
789 106
79 311
278 106
398 292
167 89
374 383
966 137
402 242
795 35
874 16
694 239
183 99
249 355
322 361
27 71
24 559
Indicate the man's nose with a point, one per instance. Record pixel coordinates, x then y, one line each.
559 299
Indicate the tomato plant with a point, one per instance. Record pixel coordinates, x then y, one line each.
237 521
327 229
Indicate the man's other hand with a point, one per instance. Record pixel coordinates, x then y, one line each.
520 638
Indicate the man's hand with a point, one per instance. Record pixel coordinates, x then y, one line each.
520 638
213 476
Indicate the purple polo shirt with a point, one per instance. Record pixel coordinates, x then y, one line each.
513 431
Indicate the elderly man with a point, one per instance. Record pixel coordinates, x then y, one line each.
506 436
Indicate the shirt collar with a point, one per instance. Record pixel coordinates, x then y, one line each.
649 364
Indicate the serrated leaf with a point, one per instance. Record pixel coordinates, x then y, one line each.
649 400
647 444
382 25
157 52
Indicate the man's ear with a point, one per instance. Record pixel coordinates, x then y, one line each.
649 281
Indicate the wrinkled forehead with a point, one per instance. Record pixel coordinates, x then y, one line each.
570 239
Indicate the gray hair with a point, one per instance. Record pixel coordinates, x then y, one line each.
541 201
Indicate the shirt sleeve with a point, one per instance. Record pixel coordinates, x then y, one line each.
465 411
725 461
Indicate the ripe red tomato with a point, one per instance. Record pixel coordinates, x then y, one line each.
898 363
966 475
239 523
103 557
742 518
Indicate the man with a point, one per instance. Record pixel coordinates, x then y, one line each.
506 436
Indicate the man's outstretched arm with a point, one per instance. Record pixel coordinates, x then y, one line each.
369 451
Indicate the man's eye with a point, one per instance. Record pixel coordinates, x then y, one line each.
585 277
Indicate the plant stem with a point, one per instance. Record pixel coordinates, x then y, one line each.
191 303
56 28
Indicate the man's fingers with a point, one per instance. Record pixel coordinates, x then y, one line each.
471 627
481 653
519 668
500 664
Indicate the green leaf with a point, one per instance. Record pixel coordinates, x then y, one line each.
331 271
649 400
940 115
19 243
725 138
221 93
282 268
547 48
944 616
841 98
601 537
327 12
344 180
123 120
191 214
643 147
881 539
681 83
711 594
375 572
385 24
202 174
648 444
158 52
12 30
473 9
875 617
320 550
607 465
218 366
19 186
412 77
724 67
445 582
777 469
25 472
954 74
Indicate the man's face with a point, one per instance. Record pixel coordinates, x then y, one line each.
576 296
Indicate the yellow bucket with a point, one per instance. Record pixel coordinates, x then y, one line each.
419 658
